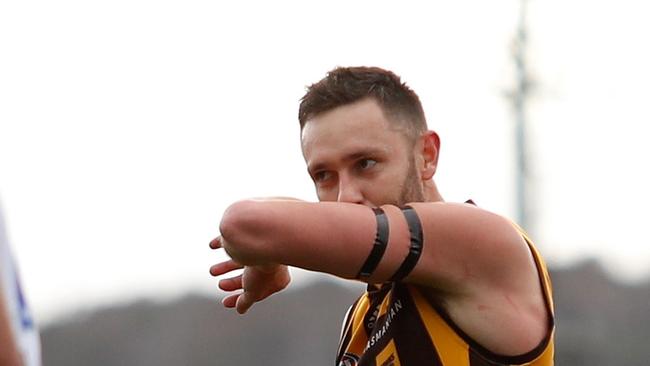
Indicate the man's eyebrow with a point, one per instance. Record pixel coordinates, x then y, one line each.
366 152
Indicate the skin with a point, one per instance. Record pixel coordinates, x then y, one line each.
10 355
474 263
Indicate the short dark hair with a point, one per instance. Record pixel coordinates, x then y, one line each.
346 85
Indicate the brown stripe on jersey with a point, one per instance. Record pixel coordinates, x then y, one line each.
414 346
476 360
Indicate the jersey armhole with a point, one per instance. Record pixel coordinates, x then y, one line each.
527 357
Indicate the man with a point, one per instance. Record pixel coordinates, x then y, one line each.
448 283
19 341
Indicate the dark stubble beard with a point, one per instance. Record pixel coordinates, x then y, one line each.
412 190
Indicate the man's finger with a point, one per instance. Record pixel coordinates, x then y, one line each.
224 267
216 243
243 303
230 301
231 284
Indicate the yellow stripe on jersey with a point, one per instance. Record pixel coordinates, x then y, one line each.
359 337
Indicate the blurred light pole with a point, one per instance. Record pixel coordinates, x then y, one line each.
519 98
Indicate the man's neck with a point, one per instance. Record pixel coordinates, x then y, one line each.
431 193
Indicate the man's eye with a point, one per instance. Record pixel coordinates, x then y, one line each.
321 176
367 163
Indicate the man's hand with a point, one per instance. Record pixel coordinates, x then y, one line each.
257 282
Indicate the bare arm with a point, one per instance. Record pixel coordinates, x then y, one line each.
9 354
471 258
461 241
465 248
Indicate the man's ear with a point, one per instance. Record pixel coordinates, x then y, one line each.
430 150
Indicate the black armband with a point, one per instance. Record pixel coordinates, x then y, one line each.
417 243
378 249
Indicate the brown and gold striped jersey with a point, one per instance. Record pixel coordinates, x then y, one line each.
394 325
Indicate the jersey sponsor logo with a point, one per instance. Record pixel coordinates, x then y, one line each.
381 332
349 359
373 318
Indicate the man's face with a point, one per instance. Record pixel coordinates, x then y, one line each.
354 154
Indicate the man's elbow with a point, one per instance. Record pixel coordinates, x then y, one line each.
239 228
234 219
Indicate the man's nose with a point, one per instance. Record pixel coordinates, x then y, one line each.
349 191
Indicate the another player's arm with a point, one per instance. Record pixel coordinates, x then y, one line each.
464 246
9 354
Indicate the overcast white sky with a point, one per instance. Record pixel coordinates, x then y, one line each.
127 127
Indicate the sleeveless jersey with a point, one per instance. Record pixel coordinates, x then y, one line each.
394 325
